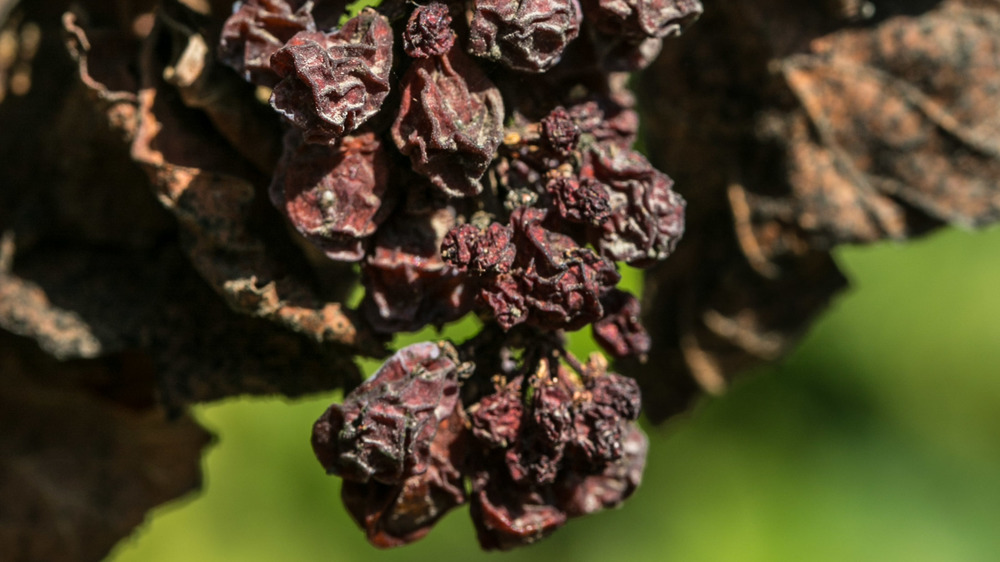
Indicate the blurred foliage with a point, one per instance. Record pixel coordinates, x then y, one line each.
879 439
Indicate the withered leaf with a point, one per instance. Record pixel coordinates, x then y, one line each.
806 127
717 316
84 453
893 129
92 273
210 189
907 110
89 264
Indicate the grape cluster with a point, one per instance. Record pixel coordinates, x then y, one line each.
550 439
474 157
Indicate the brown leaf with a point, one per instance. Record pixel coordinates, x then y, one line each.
880 131
89 303
84 454
25 310
908 111
805 126
712 315
212 191
90 265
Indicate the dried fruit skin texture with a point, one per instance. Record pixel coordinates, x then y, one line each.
491 251
398 515
449 122
647 216
583 495
526 35
331 83
620 331
333 194
507 516
582 201
560 130
568 448
551 281
384 429
496 421
428 32
408 285
255 31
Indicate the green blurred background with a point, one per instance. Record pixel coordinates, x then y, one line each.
879 439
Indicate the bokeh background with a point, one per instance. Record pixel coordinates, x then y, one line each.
878 439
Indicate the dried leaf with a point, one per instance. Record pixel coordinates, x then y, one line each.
84 453
908 111
804 128
200 179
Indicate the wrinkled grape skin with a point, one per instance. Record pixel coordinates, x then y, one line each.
407 283
620 332
528 36
566 448
255 31
334 195
398 515
450 122
384 429
428 31
331 83
647 216
552 282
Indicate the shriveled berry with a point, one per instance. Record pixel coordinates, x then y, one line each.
560 130
601 423
561 281
398 515
332 83
538 456
570 446
551 404
408 285
507 515
333 194
450 122
583 494
428 32
258 28
647 216
552 283
496 419
610 121
482 252
580 200
529 35
384 429
617 392
620 331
